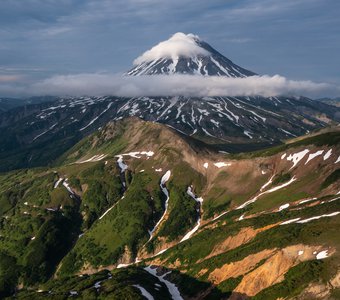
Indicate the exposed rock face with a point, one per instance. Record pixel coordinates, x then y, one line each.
274 264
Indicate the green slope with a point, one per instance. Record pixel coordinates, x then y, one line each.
85 215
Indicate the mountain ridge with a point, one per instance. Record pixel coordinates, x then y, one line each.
37 134
118 175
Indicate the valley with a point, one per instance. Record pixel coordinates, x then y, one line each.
137 195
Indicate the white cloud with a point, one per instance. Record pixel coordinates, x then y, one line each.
179 44
171 85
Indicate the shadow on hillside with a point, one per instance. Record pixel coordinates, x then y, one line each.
194 289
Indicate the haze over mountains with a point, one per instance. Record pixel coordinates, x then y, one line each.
164 196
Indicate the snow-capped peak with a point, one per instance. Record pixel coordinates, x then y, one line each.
179 45
185 54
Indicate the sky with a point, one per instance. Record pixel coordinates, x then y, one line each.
45 39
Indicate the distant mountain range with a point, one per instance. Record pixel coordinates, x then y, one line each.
9 103
235 123
331 101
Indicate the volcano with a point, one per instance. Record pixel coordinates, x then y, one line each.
186 54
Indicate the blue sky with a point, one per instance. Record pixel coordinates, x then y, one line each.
298 39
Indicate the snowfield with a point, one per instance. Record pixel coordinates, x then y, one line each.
319 217
173 290
135 154
338 160
328 154
222 164
121 164
164 179
199 200
307 200
299 221
284 206
296 157
267 183
313 155
323 254
57 182
144 292
67 186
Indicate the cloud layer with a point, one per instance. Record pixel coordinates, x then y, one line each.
179 44
170 85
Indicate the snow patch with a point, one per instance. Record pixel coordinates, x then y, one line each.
220 215
206 165
67 186
93 159
307 200
160 252
173 290
266 192
97 285
144 292
284 206
120 266
102 216
192 195
328 154
296 157
192 231
267 183
281 186
121 164
199 200
247 133
93 120
290 221
164 179
222 164
57 183
136 154
323 254
313 155
319 217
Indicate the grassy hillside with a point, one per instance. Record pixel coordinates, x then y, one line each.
253 225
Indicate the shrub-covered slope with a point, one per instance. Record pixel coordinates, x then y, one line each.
136 194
